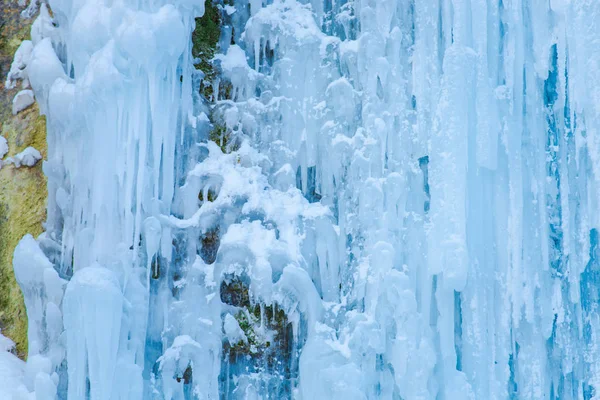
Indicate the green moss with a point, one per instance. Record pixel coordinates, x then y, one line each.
225 90
235 293
255 320
248 325
259 347
220 136
205 39
211 195
13 30
223 137
157 266
22 210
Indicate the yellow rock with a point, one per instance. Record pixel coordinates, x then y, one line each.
23 190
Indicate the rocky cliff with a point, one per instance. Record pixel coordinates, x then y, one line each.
22 190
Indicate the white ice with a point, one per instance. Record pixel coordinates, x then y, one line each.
413 184
22 100
3 147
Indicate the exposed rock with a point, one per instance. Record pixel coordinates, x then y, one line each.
22 190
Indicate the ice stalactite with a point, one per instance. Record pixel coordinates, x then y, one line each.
350 200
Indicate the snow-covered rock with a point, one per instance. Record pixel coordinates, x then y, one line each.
18 68
22 100
27 158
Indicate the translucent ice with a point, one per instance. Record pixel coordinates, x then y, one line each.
92 307
375 199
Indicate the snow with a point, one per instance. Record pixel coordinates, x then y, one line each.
18 68
233 332
412 186
43 69
22 100
28 158
229 9
3 147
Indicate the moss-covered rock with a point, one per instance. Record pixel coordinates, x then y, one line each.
266 326
210 241
22 191
222 136
205 39
205 42
211 195
235 293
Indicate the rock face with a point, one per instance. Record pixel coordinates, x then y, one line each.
22 190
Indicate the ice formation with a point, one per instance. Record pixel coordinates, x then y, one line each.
399 200
11 372
22 100
18 68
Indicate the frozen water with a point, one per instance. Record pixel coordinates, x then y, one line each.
391 199
92 317
11 372
22 100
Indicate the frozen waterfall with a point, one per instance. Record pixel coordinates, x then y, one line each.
363 199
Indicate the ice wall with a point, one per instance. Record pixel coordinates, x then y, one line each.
381 199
